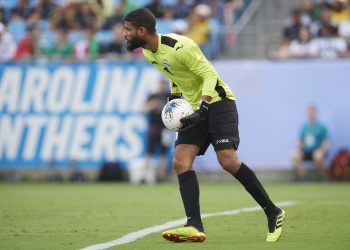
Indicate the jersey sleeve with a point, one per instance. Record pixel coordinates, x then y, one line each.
192 57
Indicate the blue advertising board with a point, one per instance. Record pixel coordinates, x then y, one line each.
90 113
82 112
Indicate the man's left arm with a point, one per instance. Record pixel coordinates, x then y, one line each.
196 62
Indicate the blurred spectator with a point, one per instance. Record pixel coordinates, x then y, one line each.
157 8
118 13
87 48
7 44
199 26
344 29
34 19
62 47
324 4
344 32
339 11
329 45
164 24
103 9
115 18
301 47
293 25
117 45
179 26
298 48
46 8
321 38
85 17
3 18
125 6
325 21
230 16
181 9
313 145
158 135
22 8
63 17
28 46
16 25
75 16
312 10
168 13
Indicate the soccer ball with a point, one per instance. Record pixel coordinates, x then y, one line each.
173 111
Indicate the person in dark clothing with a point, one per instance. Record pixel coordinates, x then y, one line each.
158 136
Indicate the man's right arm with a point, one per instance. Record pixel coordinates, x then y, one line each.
195 61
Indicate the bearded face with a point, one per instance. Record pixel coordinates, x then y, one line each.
134 43
132 37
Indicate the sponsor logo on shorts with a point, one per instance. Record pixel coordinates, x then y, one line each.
221 141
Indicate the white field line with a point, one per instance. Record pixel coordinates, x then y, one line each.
157 228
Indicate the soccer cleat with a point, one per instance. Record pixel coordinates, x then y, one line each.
275 226
183 234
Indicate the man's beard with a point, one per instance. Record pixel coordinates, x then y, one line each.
135 43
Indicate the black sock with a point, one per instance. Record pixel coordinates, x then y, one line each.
251 183
189 190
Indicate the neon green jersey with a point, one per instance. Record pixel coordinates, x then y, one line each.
190 73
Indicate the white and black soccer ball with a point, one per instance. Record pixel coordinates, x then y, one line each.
173 111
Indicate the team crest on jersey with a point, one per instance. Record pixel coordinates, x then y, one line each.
166 63
167 66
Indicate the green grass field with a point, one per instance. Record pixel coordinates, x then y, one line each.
68 216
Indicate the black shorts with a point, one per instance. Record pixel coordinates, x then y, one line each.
220 129
308 156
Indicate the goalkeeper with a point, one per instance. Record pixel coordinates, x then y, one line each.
215 121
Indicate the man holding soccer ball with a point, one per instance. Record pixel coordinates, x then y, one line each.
215 121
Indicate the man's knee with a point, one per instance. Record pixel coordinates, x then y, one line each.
184 156
181 165
229 161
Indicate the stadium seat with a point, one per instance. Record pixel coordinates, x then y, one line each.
7 4
104 36
17 28
216 38
75 36
164 26
44 25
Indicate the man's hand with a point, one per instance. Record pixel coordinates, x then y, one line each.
195 118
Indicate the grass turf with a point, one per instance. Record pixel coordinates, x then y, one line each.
68 216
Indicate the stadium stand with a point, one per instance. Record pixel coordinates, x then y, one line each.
51 17
326 24
262 37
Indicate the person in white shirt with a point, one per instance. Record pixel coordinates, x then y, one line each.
8 45
329 46
300 48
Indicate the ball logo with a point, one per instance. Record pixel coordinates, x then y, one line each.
166 63
169 110
173 111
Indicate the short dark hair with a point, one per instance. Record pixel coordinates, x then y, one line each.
142 17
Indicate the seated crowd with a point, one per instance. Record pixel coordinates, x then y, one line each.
319 29
85 30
